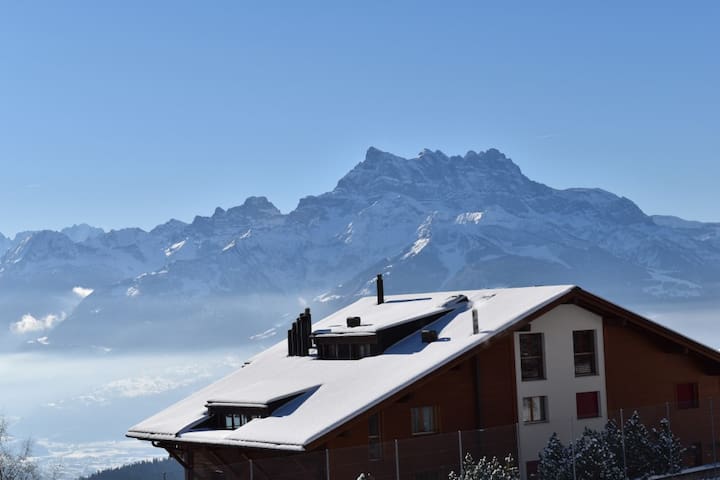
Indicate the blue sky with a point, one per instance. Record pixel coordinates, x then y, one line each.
128 113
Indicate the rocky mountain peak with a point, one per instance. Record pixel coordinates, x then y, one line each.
80 233
432 175
258 207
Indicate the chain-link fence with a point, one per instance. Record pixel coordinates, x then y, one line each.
694 422
434 456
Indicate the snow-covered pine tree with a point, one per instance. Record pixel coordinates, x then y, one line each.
668 450
487 469
555 461
613 438
639 448
594 460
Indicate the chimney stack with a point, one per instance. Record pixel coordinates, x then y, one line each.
291 344
380 289
295 334
307 319
476 328
299 342
302 333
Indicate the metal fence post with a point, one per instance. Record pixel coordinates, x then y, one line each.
622 438
460 451
397 461
712 430
327 464
519 452
572 447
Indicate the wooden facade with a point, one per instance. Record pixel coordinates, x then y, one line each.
644 365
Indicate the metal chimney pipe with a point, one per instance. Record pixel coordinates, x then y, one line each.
380 289
290 343
294 339
306 318
300 340
476 328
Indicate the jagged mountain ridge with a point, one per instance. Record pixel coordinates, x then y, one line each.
431 222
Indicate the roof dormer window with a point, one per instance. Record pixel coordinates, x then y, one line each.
237 420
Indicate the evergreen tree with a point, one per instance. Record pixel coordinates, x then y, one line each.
485 469
668 450
555 461
594 460
639 447
613 438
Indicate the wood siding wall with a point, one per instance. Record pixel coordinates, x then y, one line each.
643 371
477 392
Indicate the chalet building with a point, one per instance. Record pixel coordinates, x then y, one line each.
335 399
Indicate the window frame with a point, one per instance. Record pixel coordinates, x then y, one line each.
235 420
543 413
531 468
418 419
591 354
539 358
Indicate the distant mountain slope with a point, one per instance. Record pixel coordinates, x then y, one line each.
428 223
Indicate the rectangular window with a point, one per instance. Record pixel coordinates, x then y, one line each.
424 420
534 409
687 395
693 455
374 442
584 349
532 363
588 404
531 468
233 421
237 420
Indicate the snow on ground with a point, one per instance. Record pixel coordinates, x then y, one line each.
469 217
174 248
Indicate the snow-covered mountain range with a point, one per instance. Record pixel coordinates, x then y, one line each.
428 223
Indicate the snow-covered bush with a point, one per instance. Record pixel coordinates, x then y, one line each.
487 469
15 464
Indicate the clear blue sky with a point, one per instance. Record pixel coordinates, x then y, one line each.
128 113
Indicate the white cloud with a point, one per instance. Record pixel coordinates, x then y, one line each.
82 292
147 385
28 323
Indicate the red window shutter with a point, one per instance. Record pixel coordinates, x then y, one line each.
588 405
687 396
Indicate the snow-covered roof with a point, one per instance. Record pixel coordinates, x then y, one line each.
332 392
